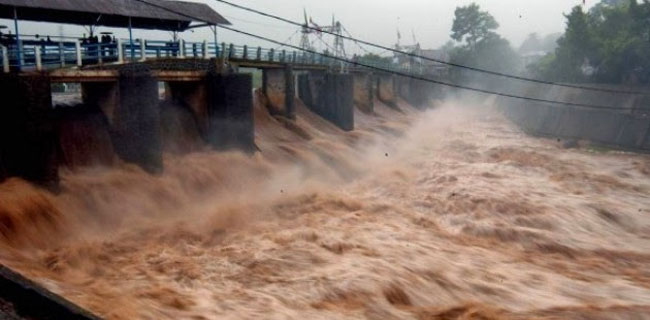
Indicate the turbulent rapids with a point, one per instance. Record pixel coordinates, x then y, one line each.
451 213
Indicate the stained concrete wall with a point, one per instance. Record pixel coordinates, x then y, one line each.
278 86
194 97
27 130
387 89
130 106
83 137
363 91
230 110
627 125
416 92
329 95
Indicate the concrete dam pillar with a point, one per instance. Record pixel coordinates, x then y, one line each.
386 91
329 95
27 129
131 107
279 87
363 91
230 111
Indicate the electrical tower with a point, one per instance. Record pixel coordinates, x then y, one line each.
309 27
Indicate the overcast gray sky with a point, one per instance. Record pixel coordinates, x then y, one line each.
373 20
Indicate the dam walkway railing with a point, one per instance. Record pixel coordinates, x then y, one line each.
39 54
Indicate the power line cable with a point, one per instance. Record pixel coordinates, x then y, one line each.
290 38
259 24
495 73
401 73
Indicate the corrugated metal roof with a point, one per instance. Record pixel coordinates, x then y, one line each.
114 13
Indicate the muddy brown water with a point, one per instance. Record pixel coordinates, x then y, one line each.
451 213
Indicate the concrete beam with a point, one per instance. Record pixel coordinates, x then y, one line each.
76 75
27 130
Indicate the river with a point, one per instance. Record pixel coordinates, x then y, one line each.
450 213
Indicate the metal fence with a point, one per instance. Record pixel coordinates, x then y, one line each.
40 54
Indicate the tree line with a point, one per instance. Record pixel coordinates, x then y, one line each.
610 43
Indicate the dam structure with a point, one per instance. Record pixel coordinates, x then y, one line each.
120 82
120 79
143 178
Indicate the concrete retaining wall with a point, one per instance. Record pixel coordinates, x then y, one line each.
31 301
626 126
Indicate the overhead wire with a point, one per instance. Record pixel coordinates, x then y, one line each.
289 39
400 73
410 54
417 77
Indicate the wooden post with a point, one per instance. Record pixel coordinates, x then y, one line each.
5 60
120 51
77 47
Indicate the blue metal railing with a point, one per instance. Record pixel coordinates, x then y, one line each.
42 54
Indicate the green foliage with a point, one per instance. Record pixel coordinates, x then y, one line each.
480 45
613 37
472 25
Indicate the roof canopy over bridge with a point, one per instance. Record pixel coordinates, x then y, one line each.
149 14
